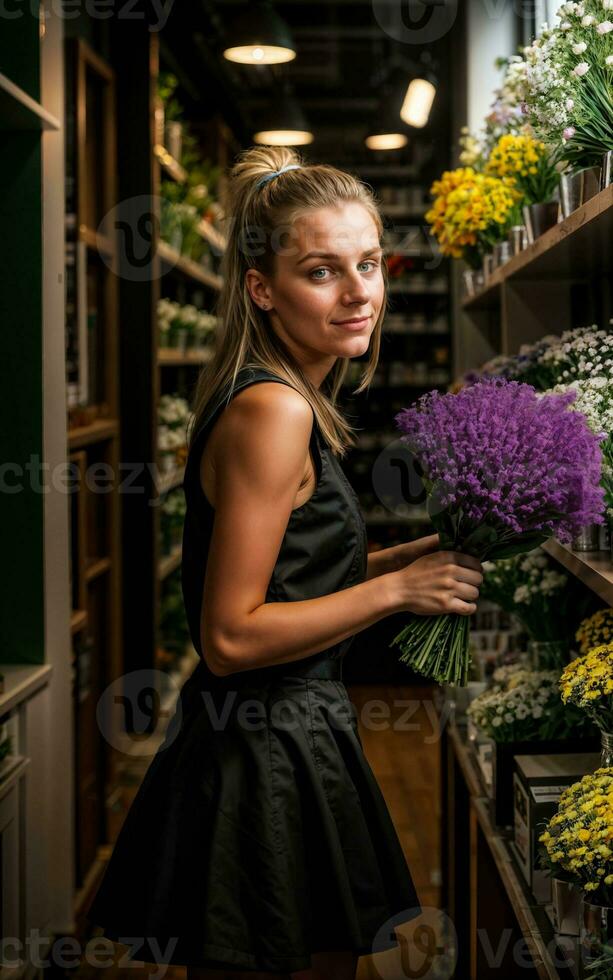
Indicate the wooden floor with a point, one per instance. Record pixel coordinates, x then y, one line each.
403 752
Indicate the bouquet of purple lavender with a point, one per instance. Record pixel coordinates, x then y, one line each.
504 468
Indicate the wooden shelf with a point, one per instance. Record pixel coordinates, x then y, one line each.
168 481
407 288
19 111
98 431
78 621
174 357
408 385
580 247
171 167
21 682
404 211
503 885
169 563
214 237
545 946
594 568
179 263
97 567
487 298
422 334
96 242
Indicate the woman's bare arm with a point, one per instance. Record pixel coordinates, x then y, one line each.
258 467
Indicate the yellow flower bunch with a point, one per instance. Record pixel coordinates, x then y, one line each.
526 164
596 630
579 837
470 210
588 683
515 155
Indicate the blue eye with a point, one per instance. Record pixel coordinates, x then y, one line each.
322 269
370 262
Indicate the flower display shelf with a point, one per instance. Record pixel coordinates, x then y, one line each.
172 168
215 238
168 563
594 568
485 893
174 357
578 247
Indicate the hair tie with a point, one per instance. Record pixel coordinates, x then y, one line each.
275 173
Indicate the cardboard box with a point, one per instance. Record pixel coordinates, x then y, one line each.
538 783
497 764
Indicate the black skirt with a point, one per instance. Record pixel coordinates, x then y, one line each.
259 835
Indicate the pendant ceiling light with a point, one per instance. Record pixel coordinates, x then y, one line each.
387 131
418 102
284 124
260 36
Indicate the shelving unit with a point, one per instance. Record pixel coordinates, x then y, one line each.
560 282
36 785
500 930
149 369
593 568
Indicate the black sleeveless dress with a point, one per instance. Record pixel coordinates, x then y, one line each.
259 834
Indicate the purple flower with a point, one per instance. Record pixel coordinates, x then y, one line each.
499 455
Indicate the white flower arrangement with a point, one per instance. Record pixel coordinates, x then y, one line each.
173 411
174 505
169 440
583 361
533 589
517 706
567 85
173 316
580 354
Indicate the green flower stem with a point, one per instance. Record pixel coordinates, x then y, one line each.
437 647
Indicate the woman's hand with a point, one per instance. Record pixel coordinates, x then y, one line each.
400 555
408 552
439 583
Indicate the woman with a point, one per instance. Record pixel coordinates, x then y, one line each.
259 841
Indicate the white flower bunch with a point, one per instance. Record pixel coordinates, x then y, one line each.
173 411
558 63
533 589
167 311
584 363
540 579
171 314
169 440
505 115
174 505
514 707
580 354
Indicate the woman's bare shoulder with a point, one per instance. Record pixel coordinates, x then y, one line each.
266 428
269 404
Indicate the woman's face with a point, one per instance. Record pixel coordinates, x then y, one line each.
327 272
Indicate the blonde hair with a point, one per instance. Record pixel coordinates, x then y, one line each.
245 336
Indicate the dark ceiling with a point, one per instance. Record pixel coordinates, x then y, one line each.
342 56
